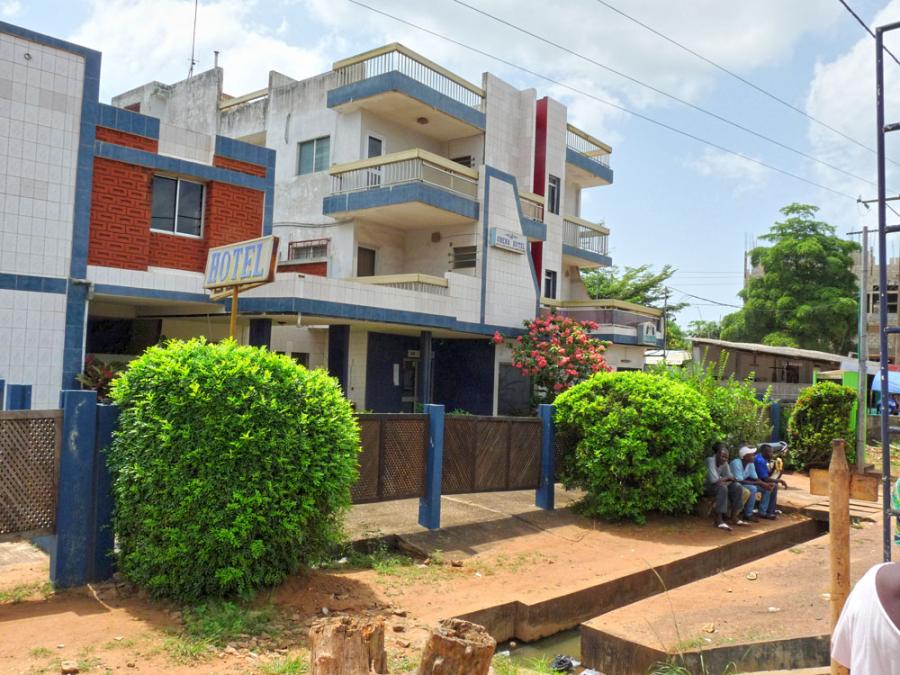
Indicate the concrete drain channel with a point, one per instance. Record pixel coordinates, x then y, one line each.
555 622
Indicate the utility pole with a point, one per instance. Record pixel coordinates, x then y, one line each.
863 355
665 322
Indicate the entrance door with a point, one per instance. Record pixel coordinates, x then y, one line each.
409 384
374 148
365 262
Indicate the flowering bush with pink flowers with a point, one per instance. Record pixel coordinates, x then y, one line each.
557 352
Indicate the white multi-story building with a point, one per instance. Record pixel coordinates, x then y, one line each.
418 213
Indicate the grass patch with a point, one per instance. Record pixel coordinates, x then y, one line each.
218 623
388 563
502 664
688 645
401 663
87 664
40 652
288 665
186 650
20 593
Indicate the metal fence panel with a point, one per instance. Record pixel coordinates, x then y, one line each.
366 488
403 445
29 464
460 436
492 455
524 454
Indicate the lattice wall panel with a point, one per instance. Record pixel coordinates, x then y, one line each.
524 455
460 435
403 456
492 454
28 466
366 488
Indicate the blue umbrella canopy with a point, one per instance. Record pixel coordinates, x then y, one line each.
893 383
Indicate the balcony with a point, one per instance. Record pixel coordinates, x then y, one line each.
585 244
398 84
532 209
587 159
409 189
619 321
422 283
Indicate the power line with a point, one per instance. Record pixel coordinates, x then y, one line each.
622 108
739 78
697 297
661 92
866 28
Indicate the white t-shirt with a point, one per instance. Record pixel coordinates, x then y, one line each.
865 639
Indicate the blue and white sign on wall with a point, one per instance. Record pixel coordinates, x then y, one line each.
508 241
243 263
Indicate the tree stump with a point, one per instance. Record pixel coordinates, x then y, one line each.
345 646
457 647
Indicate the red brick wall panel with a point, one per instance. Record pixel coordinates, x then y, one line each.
130 140
120 215
234 213
318 269
238 165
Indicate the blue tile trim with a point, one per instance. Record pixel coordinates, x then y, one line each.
25 282
131 292
150 160
401 194
626 340
589 165
397 81
245 152
288 305
534 229
128 121
491 172
587 255
46 40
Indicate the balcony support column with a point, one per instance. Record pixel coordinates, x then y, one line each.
426 366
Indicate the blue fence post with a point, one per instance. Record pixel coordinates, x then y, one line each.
775 418
101 559
544 497
2 393
18 397
430 502
70 563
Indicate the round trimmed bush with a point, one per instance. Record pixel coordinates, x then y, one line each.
822 413
635 443
231 468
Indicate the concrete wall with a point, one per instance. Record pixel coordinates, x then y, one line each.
313 341
509 130
625 356
555 166
359 341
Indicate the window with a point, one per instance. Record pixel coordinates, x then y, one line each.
466 160
553 194
891 299
365 262
314 249
464 257
313 156
177 206
375 147
301 357
549 284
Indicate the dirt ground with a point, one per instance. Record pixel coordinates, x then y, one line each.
510 551
784 595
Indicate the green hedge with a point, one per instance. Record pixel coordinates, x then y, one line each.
635 443
231 468
821 414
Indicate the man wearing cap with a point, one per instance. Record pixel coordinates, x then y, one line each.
744 471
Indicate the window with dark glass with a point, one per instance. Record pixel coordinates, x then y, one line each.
313 156
365 262
553 194
177 206
464 257
549 284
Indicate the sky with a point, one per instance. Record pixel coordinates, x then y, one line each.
675 200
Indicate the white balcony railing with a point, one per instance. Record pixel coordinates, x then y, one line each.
584 235
424 283
532 206
396 57
587 145
408 166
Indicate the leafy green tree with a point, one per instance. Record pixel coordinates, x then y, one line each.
807 294
675 338
704 329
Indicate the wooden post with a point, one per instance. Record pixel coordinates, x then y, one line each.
839 535
457 647
234 310
346 646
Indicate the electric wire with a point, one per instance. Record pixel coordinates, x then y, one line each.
867 29
641 83
740 78
610 104
697 297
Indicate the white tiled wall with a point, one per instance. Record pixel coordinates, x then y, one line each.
313 341
359 347
32 332
185 144
40 111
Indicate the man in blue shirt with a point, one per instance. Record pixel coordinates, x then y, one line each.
744 470
761 463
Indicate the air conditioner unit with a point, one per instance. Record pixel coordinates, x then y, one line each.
647 333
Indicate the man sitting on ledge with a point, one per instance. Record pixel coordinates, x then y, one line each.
721 484
744 470
761 464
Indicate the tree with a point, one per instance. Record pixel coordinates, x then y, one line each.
557 352
704 329
675 338
807 294
636 284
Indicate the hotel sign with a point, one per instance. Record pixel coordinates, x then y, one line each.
508 241
245 263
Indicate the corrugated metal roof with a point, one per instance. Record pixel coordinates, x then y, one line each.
791 352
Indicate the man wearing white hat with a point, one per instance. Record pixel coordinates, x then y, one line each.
744 471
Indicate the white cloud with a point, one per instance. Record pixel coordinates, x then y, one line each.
10 9
160 49
714 163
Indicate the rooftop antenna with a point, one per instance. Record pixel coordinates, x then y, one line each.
193 42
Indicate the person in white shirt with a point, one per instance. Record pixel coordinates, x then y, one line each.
867 636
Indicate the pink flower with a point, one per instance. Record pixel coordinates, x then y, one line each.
541 362
497 339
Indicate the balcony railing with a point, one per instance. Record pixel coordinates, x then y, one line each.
396 57
408 166
584 235
606 312
532 206
424 283
587 145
